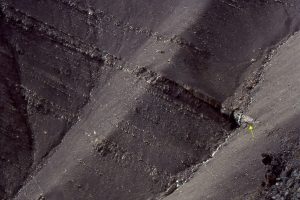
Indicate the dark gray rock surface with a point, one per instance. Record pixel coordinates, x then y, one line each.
282 178
121 99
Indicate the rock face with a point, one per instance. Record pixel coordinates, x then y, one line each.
16 136
282 178
116 100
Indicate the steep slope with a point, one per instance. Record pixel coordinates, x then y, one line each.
123 98
236 172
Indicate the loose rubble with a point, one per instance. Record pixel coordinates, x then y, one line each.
282 179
